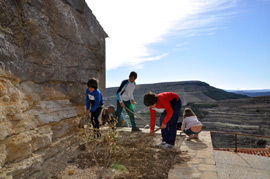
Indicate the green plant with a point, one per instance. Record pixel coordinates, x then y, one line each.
119 167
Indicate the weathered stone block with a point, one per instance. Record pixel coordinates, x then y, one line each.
3 154
48 52
6 129
22 145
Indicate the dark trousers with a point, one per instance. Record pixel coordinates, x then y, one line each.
169 133
189 132
130 114
95 118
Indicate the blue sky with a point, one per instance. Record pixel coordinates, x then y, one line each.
225 43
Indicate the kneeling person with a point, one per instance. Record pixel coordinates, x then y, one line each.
121 121
191 126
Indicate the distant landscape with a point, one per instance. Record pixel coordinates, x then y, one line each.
251 93
189 91
217 109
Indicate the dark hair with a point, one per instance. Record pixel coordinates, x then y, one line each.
150 99
188 112
134 74
111 107
93 83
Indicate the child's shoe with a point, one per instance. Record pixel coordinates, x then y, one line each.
167 146
190 137
135 129
161 144
196 136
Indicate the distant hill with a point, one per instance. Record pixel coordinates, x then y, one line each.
249 116
251 93
189 92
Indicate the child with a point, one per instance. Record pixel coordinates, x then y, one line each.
169 105
125 99
94 99
104 117
121 122
108 116
191 126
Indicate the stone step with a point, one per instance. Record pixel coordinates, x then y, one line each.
202 161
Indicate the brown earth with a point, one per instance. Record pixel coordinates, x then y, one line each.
140 157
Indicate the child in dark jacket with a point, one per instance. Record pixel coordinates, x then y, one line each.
94 103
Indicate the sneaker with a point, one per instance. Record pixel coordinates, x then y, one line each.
135 129
167 146
190 137
161 144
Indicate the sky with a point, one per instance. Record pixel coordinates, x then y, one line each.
225 43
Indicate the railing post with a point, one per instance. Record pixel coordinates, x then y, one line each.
235 138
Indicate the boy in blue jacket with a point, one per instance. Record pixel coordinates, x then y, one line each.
125 99
94 103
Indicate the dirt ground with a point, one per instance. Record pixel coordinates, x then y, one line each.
140 159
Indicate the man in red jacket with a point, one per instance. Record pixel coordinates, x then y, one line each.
169 105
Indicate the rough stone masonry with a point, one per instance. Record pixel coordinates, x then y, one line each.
49 49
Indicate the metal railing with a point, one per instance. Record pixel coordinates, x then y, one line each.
235 136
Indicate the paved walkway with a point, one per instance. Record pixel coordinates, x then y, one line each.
232 165
200 159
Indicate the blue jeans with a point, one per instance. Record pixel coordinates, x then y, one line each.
169 133
189 132
130 114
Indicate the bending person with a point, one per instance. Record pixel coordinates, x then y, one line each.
169 105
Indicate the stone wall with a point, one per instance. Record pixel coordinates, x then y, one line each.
49 49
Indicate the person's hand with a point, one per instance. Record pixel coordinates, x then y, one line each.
133 101
163 126
152 132
122 104
87 112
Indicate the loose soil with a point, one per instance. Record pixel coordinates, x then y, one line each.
141 158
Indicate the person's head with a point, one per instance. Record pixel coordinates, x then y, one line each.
150 99
132 76
188 112
104 116
111 109
92 84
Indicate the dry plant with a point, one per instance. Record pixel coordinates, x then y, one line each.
102 144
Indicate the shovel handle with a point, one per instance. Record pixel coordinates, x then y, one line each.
147 135
135 114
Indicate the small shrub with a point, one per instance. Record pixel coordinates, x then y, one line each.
102 144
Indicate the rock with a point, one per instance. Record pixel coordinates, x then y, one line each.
48 52
6 129
22 145
3 155
71 172
6 98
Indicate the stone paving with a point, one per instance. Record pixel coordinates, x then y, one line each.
201 163
232 165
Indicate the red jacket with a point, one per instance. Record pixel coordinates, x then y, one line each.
163 102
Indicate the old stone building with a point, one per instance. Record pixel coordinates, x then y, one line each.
48 52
